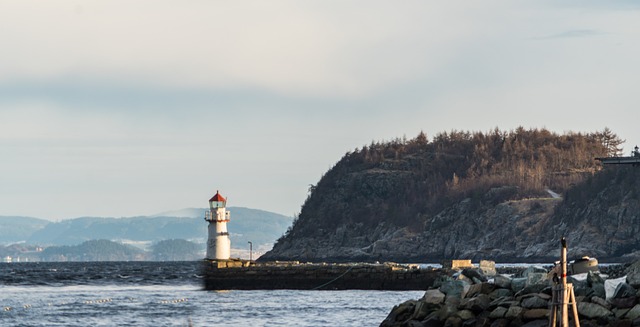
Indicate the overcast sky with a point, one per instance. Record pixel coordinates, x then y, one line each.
123 108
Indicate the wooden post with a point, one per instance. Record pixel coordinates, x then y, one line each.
562 295
565 297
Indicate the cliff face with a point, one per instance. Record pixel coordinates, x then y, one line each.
472 196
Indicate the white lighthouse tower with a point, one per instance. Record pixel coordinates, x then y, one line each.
218 243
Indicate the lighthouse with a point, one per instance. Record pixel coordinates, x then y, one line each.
218 242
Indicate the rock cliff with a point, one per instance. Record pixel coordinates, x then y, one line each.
472 196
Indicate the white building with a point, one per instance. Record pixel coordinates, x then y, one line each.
218 242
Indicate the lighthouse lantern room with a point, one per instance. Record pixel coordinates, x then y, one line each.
218 242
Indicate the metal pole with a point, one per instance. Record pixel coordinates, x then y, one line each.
250 251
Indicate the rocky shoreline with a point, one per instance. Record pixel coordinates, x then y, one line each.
521 297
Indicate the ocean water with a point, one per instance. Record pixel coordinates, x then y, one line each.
170 294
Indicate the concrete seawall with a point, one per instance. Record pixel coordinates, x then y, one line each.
244 275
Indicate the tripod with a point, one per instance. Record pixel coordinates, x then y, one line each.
562 295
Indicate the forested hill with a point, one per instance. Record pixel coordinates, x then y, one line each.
458 194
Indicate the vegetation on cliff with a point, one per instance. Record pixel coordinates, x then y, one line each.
420 198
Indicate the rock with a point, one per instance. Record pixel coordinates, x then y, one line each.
474 273
498 312
537 288
594 278
634 313
535 278
624 290
517 284
453 322
453 288
619 313
537 323
633 274
423 309
599 290
620 323
623 303
534 302
399 313
476 304
433 296
500 293
502 281
432 321
534 314
634 279
506 302
500 323
592 310
601 301
465 314
483 288
514 312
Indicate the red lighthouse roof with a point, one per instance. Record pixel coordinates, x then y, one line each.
217 198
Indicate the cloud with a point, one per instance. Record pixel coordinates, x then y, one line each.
570 34
288 47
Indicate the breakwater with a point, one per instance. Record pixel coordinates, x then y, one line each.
245 275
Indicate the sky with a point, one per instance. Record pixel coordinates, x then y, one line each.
126 108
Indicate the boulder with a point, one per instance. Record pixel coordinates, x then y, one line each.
453 321
537 323
599 290
594 278
506 302
399 313
624 290
534 302
634 279
535 278
423 309
633 274
482 288
453 288
537 288
500 323
500 293
476 304
432 321
593 311
517 284
502 281
634 313
601 301
465 314
514 312
623 303
498 312
433 296
535 314
474 274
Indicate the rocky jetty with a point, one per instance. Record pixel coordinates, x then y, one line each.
471 297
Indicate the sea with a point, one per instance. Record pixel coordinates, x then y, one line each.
170 294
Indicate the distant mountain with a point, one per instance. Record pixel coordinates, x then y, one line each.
16 229
257 226
94 250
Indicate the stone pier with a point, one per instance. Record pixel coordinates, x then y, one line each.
245 275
